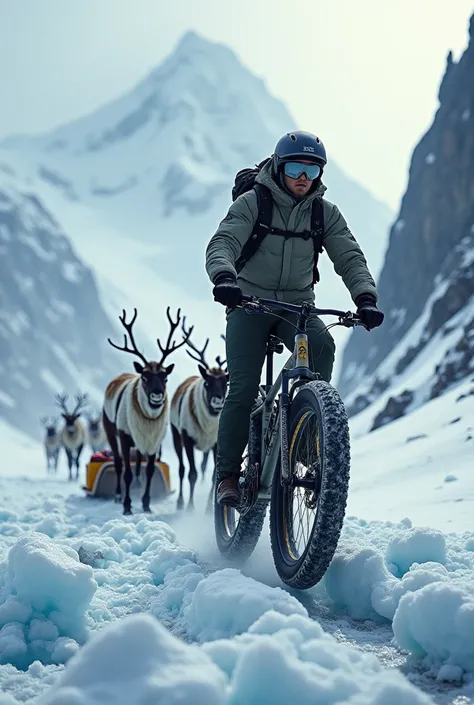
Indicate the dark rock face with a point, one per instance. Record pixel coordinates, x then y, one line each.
395 409
429 265
52 325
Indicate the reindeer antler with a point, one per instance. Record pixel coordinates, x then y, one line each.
61 400
128 327
219 361
44 420
167 350
200 353
81 401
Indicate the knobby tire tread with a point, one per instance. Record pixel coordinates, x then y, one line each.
327 528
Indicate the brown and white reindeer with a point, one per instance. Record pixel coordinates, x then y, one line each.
51 442
195 411
73 434
95 432
136 410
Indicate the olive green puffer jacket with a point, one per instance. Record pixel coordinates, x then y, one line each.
282 269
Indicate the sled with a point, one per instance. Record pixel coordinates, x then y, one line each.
101 478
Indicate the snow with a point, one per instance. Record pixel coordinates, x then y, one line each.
35 245
392 478
42 603
438 621
466 114
430 158
151 609
72 272
6 400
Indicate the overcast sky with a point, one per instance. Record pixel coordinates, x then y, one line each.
363 74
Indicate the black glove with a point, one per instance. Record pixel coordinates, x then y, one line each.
368 312
226 290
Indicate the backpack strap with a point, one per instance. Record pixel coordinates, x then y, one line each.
317 233
261 228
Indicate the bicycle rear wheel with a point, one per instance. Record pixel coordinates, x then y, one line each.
307 513
236 535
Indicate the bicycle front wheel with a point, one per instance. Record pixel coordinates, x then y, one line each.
307 512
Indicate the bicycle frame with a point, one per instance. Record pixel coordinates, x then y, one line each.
297 369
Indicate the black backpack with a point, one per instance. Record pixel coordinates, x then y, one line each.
245 181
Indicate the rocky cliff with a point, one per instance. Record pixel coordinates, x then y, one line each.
426 286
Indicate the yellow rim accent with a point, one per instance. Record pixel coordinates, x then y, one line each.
226 518
285 523
295 433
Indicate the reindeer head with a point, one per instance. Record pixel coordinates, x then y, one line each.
215 378
50 425
71 417
153 375
93 422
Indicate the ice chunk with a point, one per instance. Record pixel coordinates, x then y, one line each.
438 621
240 602
418 545
136 660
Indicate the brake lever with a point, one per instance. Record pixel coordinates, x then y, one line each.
351 320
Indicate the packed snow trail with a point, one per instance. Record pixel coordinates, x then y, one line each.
51 604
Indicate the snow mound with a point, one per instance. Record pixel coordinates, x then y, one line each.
420 545
43 602
241 601
281 659
136 660
438 621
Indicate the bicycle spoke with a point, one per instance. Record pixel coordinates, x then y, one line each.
302 502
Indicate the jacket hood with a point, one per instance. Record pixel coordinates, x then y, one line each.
265 178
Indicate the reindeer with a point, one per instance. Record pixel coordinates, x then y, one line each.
195 411
136 410
52 443
95 432
73 434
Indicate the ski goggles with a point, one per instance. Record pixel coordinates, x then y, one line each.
295 169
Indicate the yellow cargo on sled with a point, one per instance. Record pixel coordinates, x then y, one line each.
101 478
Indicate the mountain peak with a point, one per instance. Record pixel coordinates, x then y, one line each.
191 42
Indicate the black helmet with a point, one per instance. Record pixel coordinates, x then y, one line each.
299 145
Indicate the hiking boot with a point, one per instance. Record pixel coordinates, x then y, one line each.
228 492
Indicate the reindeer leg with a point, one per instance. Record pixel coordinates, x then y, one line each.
138 466
69 462
111 433
189 447
56 458
211 492
150 471
78 456
125 444
178 446
205 458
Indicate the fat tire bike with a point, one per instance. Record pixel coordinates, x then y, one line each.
297 460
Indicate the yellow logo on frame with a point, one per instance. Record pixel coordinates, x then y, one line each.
302 350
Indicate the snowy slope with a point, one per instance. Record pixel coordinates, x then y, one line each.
52 324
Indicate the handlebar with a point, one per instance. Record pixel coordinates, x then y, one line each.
253 304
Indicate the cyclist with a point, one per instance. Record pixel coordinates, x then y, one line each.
281 269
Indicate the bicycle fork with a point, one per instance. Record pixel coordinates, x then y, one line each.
301 369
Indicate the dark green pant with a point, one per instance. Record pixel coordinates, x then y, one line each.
246 339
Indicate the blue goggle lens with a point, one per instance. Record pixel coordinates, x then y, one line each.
295 169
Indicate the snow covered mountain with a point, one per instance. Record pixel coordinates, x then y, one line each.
138 187
158 163
426 286
52 324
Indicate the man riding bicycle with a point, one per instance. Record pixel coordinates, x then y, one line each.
283 268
